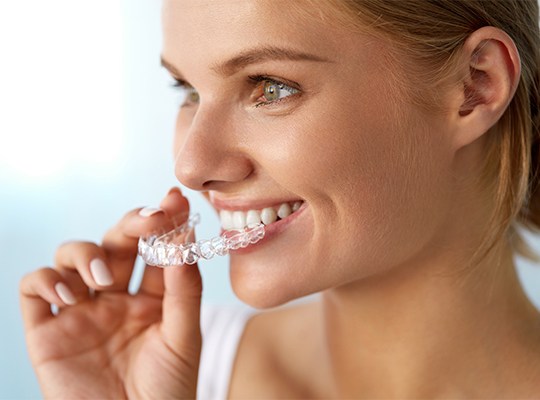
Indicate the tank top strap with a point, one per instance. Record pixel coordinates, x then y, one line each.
222 328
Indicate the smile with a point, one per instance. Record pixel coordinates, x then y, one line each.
236 219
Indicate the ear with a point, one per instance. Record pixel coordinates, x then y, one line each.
491 74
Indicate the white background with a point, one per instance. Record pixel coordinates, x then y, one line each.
86 125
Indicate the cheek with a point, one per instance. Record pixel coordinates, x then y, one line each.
376 176
390 185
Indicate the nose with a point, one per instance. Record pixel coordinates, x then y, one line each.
209 154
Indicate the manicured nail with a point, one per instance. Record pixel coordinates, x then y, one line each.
65 293
100 272
174 189
149 211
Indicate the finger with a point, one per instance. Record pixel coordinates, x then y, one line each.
77 285
124 236
40 289
152 281
181 309
176 206
175 203
121 242
88 260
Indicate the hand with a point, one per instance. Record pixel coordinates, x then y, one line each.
105 342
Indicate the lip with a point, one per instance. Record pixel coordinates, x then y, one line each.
271 230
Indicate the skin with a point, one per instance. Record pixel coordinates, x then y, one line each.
391 220
308 147
111 344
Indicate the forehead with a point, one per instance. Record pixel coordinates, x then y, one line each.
210 30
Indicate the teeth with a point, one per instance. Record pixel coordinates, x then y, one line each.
284 211
268 215
226 218
241 219
238 219
253 217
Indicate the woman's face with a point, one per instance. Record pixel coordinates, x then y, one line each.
295 108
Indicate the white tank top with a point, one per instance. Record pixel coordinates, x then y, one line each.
222 328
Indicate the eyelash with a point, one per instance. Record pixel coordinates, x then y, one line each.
179 83
255 79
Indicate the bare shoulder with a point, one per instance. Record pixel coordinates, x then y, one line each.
275 348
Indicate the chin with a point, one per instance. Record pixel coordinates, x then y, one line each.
268 290
255 300
261 296
263 291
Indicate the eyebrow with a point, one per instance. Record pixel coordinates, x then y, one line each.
253 56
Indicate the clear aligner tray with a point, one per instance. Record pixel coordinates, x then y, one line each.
162 250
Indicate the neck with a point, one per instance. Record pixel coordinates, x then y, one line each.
417 332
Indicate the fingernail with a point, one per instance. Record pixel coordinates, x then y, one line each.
174 189
149 211
100 272
65 293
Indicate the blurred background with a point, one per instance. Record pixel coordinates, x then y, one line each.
86 127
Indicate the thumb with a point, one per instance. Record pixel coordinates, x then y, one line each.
181 309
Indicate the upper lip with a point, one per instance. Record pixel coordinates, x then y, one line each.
246 205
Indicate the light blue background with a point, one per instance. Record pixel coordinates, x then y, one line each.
80 77
86 127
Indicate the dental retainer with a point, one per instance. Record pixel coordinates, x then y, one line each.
163 249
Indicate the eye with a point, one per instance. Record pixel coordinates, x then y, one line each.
188 94
192 96
272 90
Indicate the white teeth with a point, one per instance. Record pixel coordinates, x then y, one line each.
226 219
284 211
241 219
253 217
238 219
268 215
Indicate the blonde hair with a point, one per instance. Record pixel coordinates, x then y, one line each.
430 34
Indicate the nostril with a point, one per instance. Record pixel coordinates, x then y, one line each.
217 185
209 185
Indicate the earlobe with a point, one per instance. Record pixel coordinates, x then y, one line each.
491 75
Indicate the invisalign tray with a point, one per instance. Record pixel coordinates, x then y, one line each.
161 250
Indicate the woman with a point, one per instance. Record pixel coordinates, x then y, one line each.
406 132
